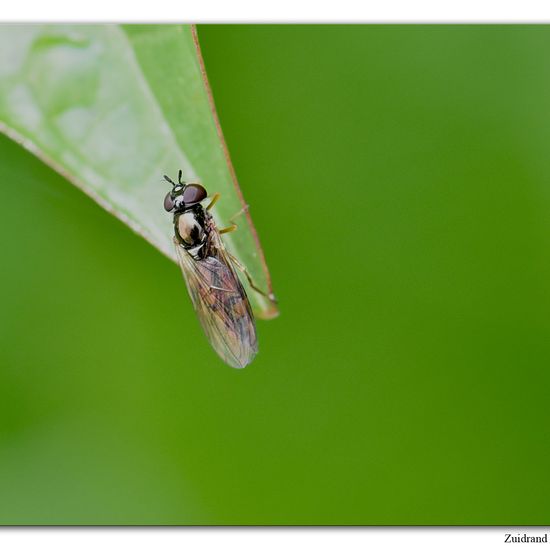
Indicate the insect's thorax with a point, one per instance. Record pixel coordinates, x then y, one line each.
192 227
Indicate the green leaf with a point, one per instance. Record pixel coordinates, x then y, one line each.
113 109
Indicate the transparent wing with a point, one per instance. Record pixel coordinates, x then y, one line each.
221 305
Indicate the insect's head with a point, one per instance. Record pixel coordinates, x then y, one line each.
183 195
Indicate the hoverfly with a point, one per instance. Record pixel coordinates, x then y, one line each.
218 296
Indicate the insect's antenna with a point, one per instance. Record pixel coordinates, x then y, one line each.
179 178
169 181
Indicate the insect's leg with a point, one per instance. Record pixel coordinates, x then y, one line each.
239 213
268 295
229 229
233 225
214 200
220 288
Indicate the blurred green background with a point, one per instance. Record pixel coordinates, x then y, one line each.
399 179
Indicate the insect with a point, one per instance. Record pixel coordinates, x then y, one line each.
208 268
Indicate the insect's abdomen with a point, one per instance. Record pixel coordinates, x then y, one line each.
224 312
230 311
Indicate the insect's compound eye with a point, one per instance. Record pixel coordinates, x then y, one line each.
193 193
168 203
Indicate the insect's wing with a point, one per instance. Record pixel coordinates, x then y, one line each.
221 305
